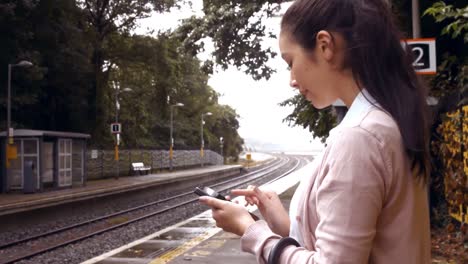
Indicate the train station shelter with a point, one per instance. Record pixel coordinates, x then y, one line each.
40 160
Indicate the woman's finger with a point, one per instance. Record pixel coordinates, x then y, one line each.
244 192
260 195
256 201
249 200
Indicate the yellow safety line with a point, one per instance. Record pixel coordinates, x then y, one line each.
168 256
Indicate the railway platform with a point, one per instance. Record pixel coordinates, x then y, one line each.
18 202
196 240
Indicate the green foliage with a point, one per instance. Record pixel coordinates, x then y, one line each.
79 52
160 76
226 125
50 94
105 18
451 148
458 27
450 85
319 122
452 77
109 16
451 80
236 29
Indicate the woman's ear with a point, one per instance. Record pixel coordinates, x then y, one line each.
325 45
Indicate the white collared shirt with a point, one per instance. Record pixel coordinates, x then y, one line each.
361 106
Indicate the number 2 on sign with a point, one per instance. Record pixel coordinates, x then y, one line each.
420 53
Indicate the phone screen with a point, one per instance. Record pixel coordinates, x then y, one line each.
208 192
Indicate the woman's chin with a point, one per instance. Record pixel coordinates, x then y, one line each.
317 104
319 107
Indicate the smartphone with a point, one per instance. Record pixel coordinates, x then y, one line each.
207 191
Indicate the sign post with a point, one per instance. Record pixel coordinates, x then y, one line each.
249 159
424 50
116 128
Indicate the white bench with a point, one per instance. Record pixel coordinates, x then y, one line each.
140 168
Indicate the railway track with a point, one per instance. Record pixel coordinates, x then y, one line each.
38 244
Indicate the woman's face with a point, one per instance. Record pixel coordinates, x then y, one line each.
311 72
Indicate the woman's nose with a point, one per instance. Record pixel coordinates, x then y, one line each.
294 84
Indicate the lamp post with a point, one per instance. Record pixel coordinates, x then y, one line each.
117 104
201 136
171 144
10 66
9 130
117 135
221 145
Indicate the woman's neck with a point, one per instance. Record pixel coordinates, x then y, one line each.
348 88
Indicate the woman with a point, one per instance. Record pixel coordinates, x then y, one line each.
366 201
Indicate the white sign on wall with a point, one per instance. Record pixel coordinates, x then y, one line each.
94 154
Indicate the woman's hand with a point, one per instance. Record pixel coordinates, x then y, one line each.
270 207
229 216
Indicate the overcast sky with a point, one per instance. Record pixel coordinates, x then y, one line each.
261 118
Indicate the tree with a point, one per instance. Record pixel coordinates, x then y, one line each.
60 38
450 85
79 48
50 34
237 30
225 125
319 122
16 32
452 78
160 76
107 17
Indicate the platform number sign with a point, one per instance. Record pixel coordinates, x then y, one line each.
424 53
116 128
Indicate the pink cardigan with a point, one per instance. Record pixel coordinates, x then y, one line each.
361 205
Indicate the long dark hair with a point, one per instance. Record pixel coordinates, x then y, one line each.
378 62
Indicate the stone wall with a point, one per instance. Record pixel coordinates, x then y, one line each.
102 164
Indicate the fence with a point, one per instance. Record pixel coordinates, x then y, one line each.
101 163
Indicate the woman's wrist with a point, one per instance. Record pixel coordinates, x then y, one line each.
280 225
245 225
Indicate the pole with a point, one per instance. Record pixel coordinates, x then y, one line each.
171 144
222 154
116 105
7 140
117 158
116 150
3 170
416 18
201 141
9 106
